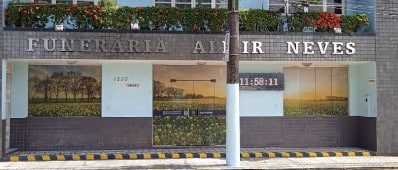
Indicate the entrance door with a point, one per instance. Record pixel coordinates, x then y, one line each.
188 105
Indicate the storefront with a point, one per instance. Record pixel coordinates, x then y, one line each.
84 90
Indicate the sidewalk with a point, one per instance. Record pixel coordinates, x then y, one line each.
182 153
374 162
200 158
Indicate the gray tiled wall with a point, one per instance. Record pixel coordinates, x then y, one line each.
181 46
387 77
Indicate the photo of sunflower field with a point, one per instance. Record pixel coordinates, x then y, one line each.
320 91
64 91
189 105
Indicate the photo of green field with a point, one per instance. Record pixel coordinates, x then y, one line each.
64 91
315 108
189 130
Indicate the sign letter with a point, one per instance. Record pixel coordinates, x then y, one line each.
46 46
160 47
350 48
292 47
308 48
199 46
32 43
322 47
337 47
257 47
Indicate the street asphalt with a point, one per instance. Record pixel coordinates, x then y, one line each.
361 162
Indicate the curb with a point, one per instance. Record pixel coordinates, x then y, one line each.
132 156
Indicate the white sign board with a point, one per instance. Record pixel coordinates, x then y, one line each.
226 46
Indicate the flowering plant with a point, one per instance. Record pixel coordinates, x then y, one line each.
326 22
352 23
363 19
86 16
30 15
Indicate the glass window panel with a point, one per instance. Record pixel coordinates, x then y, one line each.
64 2
336 10
178 1
315 2
221 1
37 1
278 8
221 6
169 1
203 1
203 5
315 8
295 8
83 1
334 1
183 5
276 2
163 4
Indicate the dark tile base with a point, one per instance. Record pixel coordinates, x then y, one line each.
131 133
341 131
81 133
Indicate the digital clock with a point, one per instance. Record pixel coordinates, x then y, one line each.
261 81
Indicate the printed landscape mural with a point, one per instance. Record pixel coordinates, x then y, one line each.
189 105
59 90
316 91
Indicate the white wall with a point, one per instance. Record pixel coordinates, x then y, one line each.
260 103
121 101
19 90
360 89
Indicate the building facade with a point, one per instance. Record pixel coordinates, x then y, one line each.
146 89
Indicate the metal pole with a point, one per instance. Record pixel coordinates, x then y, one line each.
233 122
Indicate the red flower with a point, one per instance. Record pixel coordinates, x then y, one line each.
327 21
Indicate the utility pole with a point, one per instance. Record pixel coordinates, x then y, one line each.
233 119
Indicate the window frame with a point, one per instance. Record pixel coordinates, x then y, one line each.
193 3
286 6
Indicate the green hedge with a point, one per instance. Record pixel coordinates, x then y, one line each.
258 20
87 16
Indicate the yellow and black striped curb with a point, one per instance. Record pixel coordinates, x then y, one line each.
129 156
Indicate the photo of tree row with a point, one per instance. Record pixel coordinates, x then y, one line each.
59 90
